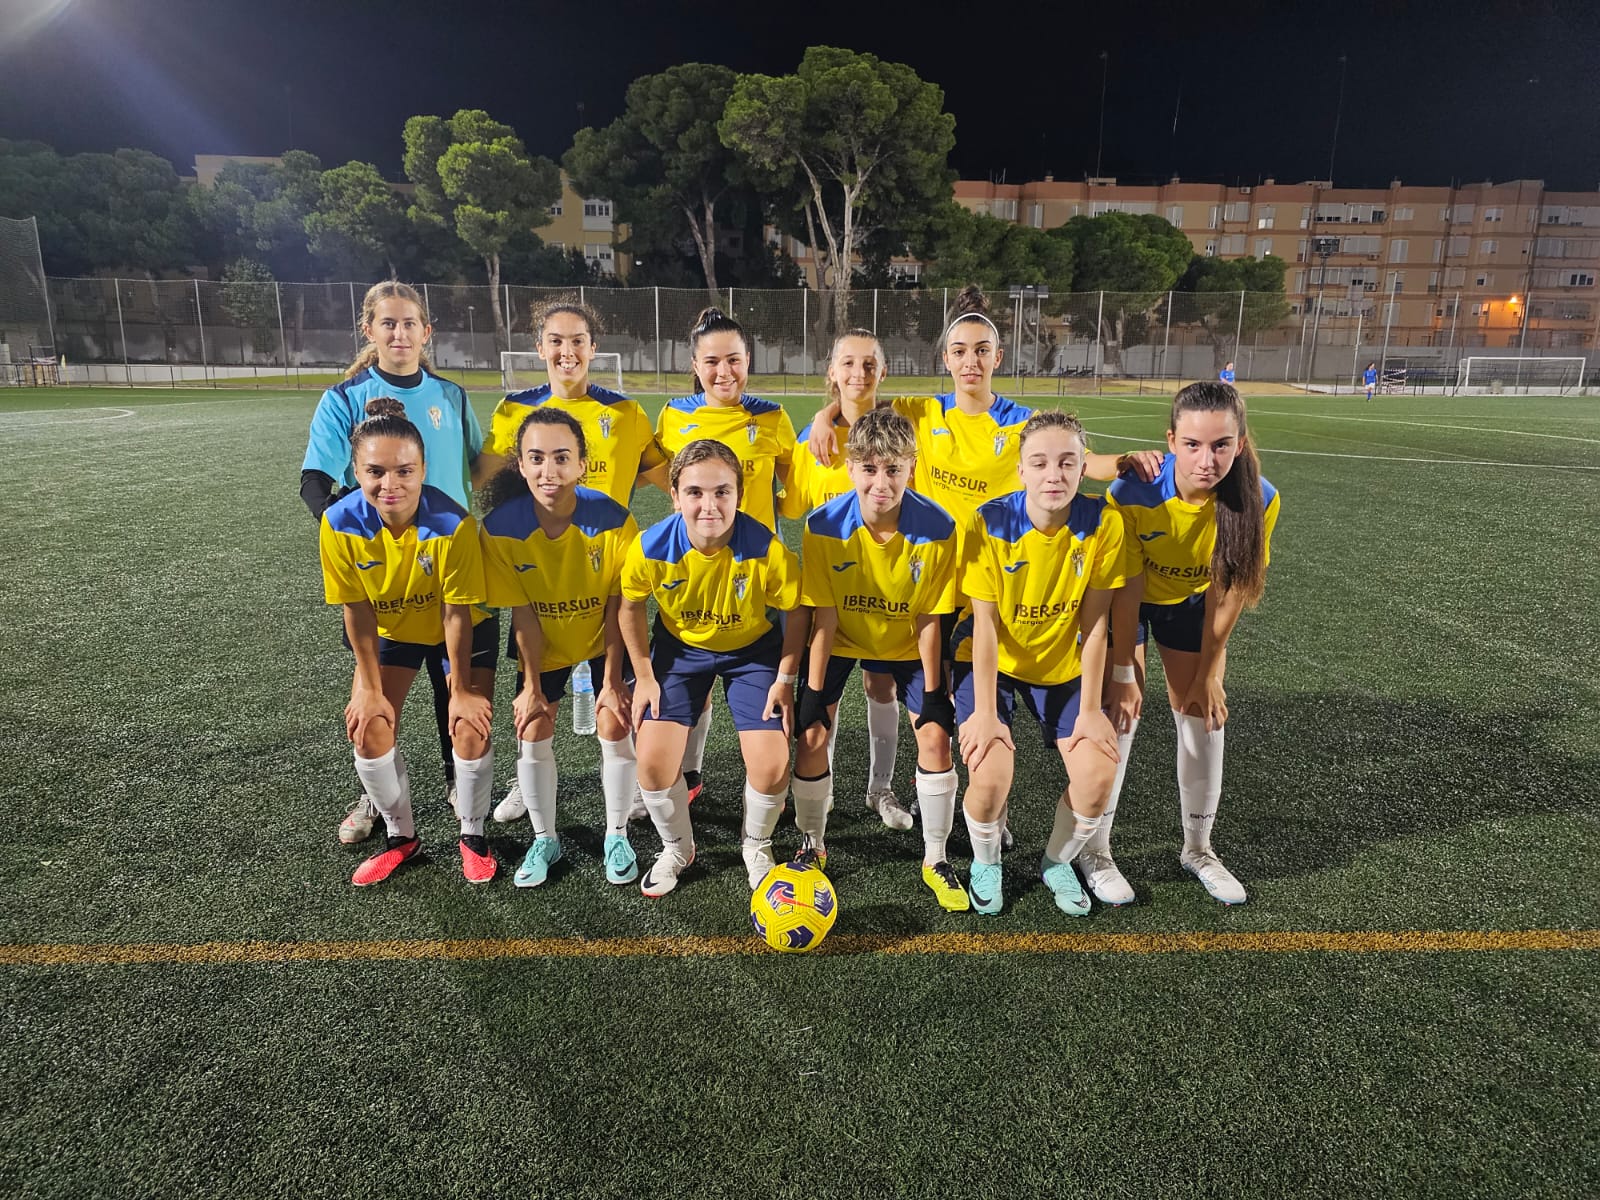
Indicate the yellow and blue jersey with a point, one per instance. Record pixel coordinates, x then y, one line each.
1174 538
436 561
880 589
566 580
716 602
616 433
810 483
756 430
451 436
965 459
1037 580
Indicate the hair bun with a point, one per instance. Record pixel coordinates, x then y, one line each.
971 299
710 316
386 406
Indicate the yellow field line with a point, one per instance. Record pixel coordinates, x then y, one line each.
1420 941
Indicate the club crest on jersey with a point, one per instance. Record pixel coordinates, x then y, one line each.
605 429
425 562
750 432
436 415
741 585
594 559
916 570
1077 561
999 444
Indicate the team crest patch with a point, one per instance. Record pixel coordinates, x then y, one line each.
741 585
436 415
916 570
594 559
750 431
1077 561
605 426
425 561
999 444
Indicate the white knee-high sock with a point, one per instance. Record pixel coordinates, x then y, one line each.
619 778
811 798
936 803
536 776
1070 832
384 779
1100 843
694 753
985 836
1199 779
669 813
883 730
761 813
474 790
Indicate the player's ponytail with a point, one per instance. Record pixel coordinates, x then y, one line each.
971 305
1238 563
712 320
389 289
386 417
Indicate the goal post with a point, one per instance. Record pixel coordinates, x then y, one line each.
522 369
1521 374
27 330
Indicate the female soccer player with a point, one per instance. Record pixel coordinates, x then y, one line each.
1203 529
1369 377
1041 566
880 569
1226 374
553 554
403 559
394 363
758 432
715 573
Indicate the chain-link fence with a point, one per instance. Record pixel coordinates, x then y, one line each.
195 331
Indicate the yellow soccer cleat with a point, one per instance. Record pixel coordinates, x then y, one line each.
946 885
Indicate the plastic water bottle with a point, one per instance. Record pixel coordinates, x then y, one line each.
582 700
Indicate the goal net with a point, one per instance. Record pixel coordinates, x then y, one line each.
1524 375
521 369
27 345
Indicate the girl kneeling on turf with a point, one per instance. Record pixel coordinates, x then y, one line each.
1041 566
715 574
404 560
553 554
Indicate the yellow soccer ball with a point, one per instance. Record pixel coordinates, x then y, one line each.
794 907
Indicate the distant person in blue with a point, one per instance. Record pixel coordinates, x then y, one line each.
395 323
1370 378
1226 374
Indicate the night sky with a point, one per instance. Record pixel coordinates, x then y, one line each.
1435 91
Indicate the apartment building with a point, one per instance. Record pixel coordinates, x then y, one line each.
587 223
1474 265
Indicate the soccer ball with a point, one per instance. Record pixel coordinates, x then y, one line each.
794 907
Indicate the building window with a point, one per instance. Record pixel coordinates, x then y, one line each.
1490 246
1211 219
1211 249
910 272
598 254
1459 246
1399 248
1237 210
555 209
1580 279
1036 215
1484 278
1263 247
597 208
1403 213
1265 216
1494 214
1175 215
1006 210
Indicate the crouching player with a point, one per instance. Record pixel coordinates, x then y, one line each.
1041 565
880 568
553 554
404 561
716 575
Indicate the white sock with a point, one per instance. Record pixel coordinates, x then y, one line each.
1069 833
811 806
474 791
936 803
669 813
985 837
619 778
1100 843
761 813
833 738
694 754
883 728
1199 779
536 776
384 779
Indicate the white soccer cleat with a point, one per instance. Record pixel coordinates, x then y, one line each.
889 809
1217 879
662 877
357 823
758 861
512 807
1107 883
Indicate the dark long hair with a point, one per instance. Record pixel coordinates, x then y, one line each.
386 417
1238 563
508 483
712 320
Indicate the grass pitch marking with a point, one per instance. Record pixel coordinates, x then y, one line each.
1442 462
202 954
6 422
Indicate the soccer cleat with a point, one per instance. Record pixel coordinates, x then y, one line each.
622 864
1104 879
984 886
382 864
535 868
812 854
512 807
1218 880
451 796
664 873
946 885
889 809
1063 883
696 784
357 823
758 861
477 864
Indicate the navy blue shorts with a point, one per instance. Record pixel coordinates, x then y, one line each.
553 683
687 675
908 681
1053 705
411 655
1177 626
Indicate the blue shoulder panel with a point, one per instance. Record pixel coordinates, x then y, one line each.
532 397
688 403
1267 492
601 395
1131 490
750 538
667 540
597 512
513 519
1006 517
438 515
1007 413
838 518
756 406
946 401
921 520
1084 517
353 514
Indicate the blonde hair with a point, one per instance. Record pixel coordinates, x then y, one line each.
1052 418
833 388
389 289
881 433
705 450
